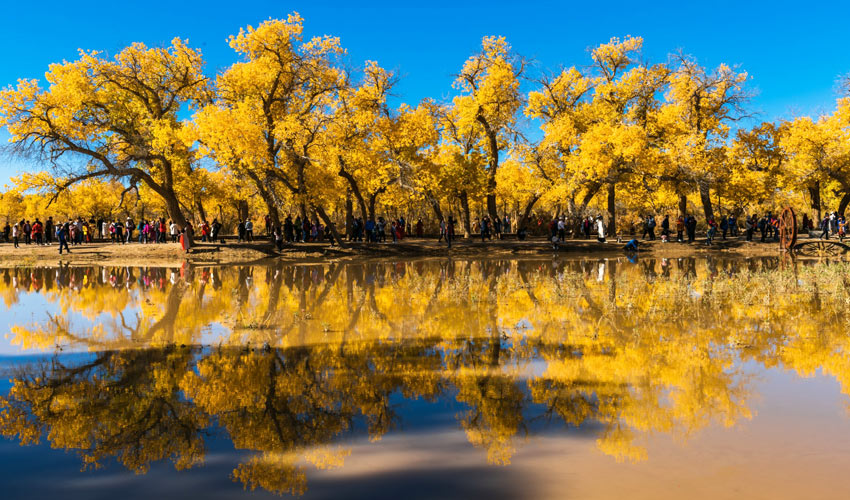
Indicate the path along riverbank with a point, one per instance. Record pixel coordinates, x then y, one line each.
231 252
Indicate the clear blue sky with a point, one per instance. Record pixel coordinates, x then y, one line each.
793 51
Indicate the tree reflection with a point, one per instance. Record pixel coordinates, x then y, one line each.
309 356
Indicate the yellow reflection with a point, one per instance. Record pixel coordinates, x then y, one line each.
304 357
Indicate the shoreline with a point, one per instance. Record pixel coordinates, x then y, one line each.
171 255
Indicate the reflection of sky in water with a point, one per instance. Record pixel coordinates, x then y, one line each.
796 443
796 446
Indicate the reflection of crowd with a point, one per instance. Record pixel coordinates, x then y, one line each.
38 279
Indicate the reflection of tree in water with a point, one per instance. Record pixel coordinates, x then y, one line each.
125 405
623 348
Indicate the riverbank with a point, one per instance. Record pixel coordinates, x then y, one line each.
170 254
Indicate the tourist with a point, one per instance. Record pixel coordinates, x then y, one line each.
288 229
249 230
49 230
240 232
15 234
825 228
692 228
450 231
298 227
600 229
62 235
278 238
749 227
712 230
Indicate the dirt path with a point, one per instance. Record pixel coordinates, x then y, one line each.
231 253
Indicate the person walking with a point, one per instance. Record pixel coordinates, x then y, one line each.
63 234
825 228
16 233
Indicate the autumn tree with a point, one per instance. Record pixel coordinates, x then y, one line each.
699 108
490 100
819 157
113 118
271 115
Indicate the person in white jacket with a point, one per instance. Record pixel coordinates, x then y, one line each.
600 228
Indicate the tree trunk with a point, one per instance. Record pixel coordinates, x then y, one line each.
527 212
465 218
493 146
705 196
373 199
842 205
199 206
683 205
241 209
349 217
592 189
435 205
814 192
612 209
173 206
266 193
329 224
355 189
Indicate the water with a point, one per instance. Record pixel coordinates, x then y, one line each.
700 378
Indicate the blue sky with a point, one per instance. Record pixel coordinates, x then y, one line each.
793 52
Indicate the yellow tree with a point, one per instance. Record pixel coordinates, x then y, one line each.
562 105
458 165
755 163
112 118
618 143
377 147
490 100
819 157
272 112
699 106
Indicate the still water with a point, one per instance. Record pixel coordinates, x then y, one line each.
679 378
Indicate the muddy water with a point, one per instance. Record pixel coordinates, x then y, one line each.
700 378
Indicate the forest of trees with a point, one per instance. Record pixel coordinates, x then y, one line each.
293 127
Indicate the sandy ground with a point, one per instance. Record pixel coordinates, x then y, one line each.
231 252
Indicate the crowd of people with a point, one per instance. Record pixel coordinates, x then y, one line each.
78 231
